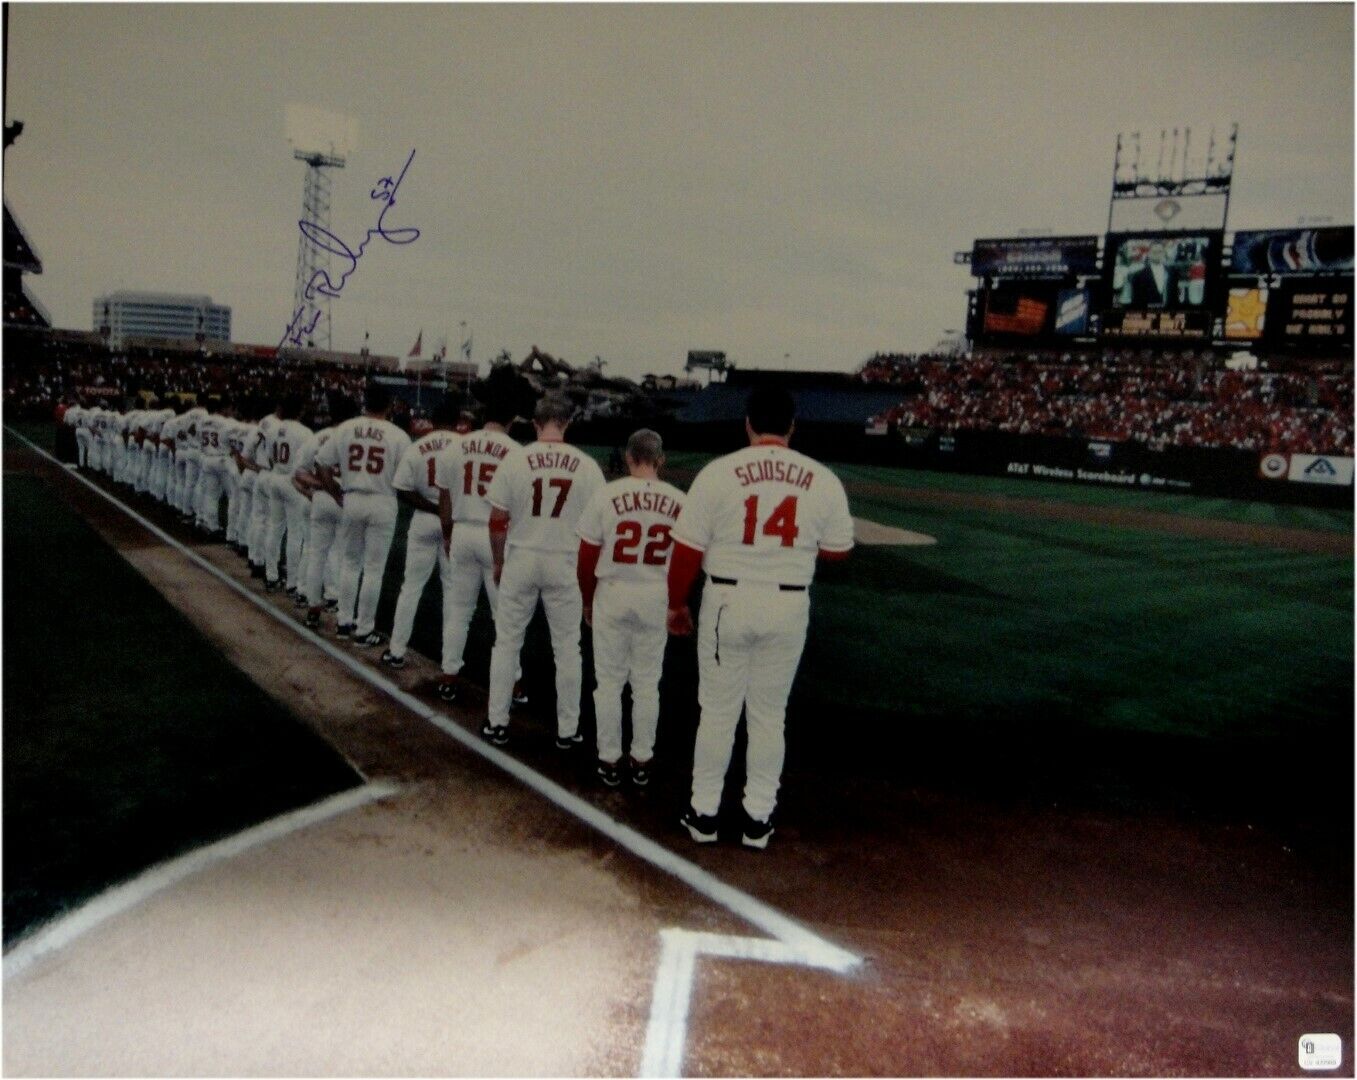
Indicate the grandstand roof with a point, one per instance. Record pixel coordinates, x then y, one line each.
19 250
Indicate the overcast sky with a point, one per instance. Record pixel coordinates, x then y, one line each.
634 182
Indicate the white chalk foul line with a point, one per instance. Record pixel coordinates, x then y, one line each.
666 1031
62 931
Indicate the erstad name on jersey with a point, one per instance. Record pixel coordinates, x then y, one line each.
553 459
656 502
783 472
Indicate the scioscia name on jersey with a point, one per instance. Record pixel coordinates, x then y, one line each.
784 472
656 502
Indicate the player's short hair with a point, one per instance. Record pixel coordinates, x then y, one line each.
645 447
291 406
553 409
376 398
445 413
771 410
342 407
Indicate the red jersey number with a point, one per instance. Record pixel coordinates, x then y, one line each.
781 522
629 539
481 478
376 458
562 487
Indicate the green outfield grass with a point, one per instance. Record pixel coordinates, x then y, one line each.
127 738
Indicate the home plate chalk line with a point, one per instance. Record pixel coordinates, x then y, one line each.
789 941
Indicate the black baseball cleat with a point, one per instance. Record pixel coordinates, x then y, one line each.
272 586
569 742
701 827
640 773
292 590
345 631
520 696
447 688
256 570
299 601
495 733
756 833
369 640
391 660
313 620
332 604
609 773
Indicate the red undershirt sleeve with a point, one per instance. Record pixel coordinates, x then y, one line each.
684 563
586 570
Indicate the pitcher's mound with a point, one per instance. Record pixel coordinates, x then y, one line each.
874 533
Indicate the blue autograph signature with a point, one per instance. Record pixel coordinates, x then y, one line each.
321 282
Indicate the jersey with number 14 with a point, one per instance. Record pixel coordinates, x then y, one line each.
366 451
544 488
763 514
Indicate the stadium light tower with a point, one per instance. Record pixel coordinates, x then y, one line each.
322 140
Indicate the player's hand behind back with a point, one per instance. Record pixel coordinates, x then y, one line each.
680 621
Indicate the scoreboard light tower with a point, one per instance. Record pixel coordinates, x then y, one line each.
310 258
1177 191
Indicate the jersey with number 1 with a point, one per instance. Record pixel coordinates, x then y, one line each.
631 520
763 514
544 488
366 452
467 468
418 471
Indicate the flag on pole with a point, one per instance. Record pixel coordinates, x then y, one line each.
441 353
466 348
419 343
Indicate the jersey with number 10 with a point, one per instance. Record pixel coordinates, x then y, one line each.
544 488
763 514
366 451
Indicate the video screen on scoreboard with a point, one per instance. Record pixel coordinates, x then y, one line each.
1018 310
1161 285
1310 314
1293 251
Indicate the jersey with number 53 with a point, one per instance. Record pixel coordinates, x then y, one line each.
418 469
763 514
544 488
631 520
467 468
366 451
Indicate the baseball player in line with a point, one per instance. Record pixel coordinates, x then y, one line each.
258 461
365 451
322 558
464 473
755 521
536 499
288 509
623 568
416 486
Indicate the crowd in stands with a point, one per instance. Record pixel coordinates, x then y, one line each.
1194 401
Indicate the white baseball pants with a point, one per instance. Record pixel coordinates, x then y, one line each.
288 514
193 470
324 557
82 446
230 483
208 508
239 525
259 517
366 528
528 575
749 642
423 549
470 566
629 639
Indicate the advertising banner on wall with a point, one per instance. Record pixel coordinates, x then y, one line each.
1044 257
1292 251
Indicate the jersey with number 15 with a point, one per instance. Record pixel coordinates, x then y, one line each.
366 451
763 514
467 468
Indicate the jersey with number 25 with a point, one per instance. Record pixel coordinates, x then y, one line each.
763 514
366 451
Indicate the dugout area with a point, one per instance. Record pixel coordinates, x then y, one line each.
1042 774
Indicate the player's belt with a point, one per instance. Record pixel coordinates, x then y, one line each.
732 581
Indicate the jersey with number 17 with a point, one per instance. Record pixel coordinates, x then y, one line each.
366 451
544 488
763 514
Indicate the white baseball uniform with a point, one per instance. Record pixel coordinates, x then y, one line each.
466 469
245 480
288 508
417 473
263 484
366 451
322 559
630 521
760 516
193 461
212 432
544 488
233 434
81 420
